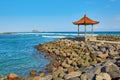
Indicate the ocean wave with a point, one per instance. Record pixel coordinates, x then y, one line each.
54 36
37 33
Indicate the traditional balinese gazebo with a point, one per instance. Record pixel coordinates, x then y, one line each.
85 21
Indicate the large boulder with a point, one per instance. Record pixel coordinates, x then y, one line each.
33 73
110 67
94 69
114 74
48 77
12 76
90 72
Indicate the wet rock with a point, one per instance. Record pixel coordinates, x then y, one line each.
12 76
42 74
103 76
33 73
48 77
3 77
72 75
22 78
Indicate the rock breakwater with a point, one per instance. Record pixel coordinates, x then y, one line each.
78 60
109 37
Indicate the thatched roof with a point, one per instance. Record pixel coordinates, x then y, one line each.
85 21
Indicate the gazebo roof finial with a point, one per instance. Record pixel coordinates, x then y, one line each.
84 15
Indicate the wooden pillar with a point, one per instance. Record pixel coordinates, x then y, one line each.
78 31
85 31
92 31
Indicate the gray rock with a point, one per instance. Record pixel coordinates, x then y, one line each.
110 67
118 63
87 76
94 70
48 77
114 74
72 75
103 76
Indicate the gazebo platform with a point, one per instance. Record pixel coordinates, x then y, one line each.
93 38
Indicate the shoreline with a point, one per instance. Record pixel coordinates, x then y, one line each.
71 59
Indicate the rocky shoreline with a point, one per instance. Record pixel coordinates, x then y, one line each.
71 59
78 60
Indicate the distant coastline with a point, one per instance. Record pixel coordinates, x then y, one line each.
7 32
53 31
96 32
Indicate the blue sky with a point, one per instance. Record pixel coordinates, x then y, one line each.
57 15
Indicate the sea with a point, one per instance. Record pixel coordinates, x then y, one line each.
18 54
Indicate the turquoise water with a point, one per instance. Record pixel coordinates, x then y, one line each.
18 55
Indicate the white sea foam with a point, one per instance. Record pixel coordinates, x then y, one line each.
54 36
66 34
25 33
47 34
